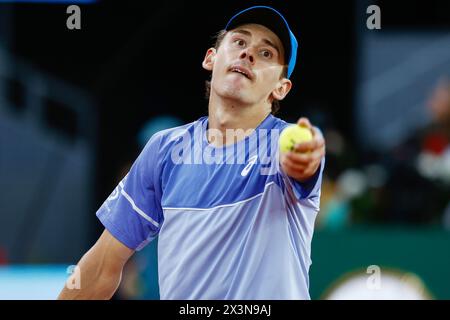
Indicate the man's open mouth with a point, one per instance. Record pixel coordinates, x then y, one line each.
243 71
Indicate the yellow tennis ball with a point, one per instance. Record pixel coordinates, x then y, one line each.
292 135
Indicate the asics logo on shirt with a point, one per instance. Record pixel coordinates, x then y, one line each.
249 165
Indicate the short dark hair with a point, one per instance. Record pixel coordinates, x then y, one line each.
218 40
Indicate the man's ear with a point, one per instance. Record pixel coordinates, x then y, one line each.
208 61
282 89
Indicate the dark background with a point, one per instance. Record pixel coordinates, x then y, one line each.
140 59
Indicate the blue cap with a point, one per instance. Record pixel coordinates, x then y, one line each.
272 19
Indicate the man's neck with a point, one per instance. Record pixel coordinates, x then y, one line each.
226 115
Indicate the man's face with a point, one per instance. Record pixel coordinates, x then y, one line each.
248 65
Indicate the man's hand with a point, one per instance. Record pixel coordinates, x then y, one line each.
302 163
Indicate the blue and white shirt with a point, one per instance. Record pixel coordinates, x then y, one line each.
231 223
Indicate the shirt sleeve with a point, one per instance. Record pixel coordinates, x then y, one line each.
133 213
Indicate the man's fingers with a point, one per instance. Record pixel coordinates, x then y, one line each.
317 133
293 166
299 158
306 158
306 146
304 122
299 171
315 143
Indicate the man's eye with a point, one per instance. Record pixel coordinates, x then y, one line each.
266 54
240 42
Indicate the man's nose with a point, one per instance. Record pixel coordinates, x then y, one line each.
248 54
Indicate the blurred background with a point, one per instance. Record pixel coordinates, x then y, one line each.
77 106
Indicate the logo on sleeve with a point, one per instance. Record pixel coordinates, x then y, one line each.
115 194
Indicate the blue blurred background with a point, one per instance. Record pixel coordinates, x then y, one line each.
77 106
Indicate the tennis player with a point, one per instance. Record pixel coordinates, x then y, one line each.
234 217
